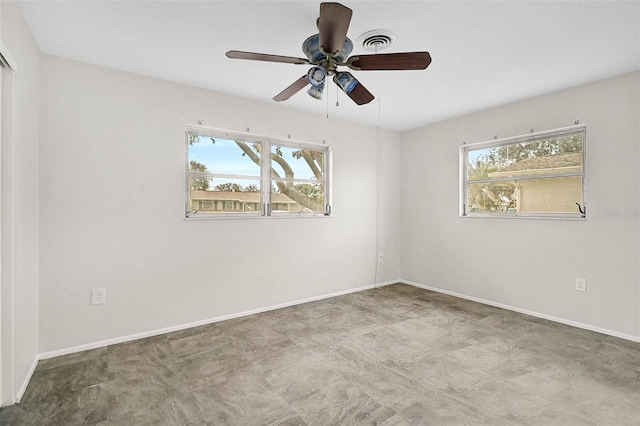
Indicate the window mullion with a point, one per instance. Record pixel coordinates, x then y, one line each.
525 177
265 169
222 175
328 166
298 180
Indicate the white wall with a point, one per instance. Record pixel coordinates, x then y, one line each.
111 202
532 264
20 229
112 210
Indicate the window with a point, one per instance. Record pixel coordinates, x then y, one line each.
297 179
537 175
227 176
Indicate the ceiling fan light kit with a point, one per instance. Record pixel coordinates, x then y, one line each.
345 81
316 77
330 49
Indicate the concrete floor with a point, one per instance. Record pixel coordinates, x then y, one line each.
391 356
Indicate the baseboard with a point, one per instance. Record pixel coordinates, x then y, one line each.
123 339
27 379
528 312
128 338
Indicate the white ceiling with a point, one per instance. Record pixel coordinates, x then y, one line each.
485 53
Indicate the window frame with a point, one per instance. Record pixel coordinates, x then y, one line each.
265 178
464 182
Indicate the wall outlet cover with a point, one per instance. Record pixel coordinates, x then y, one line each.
98 296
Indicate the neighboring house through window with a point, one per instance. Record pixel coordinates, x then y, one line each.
537 175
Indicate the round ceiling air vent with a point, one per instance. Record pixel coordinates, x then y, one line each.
376 40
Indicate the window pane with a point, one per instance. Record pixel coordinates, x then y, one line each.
224 195
297 197
550 195
549 156
546 156
481 163
492 197
556 195
297 163
223 156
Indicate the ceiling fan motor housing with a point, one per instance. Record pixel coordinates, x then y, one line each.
311 48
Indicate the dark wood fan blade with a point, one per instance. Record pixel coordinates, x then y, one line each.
333 25
298 85
236 54
390 61
360 95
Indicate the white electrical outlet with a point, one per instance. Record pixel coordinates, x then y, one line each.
98 296
581 284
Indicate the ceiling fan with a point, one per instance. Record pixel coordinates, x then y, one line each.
328 50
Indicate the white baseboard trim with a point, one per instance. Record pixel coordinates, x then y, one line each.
528 312
123 339
27 379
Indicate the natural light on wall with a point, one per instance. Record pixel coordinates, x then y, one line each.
539 175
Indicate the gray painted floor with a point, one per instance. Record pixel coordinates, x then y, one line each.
391 356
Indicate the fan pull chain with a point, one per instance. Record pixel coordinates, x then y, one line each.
327 102
337 93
